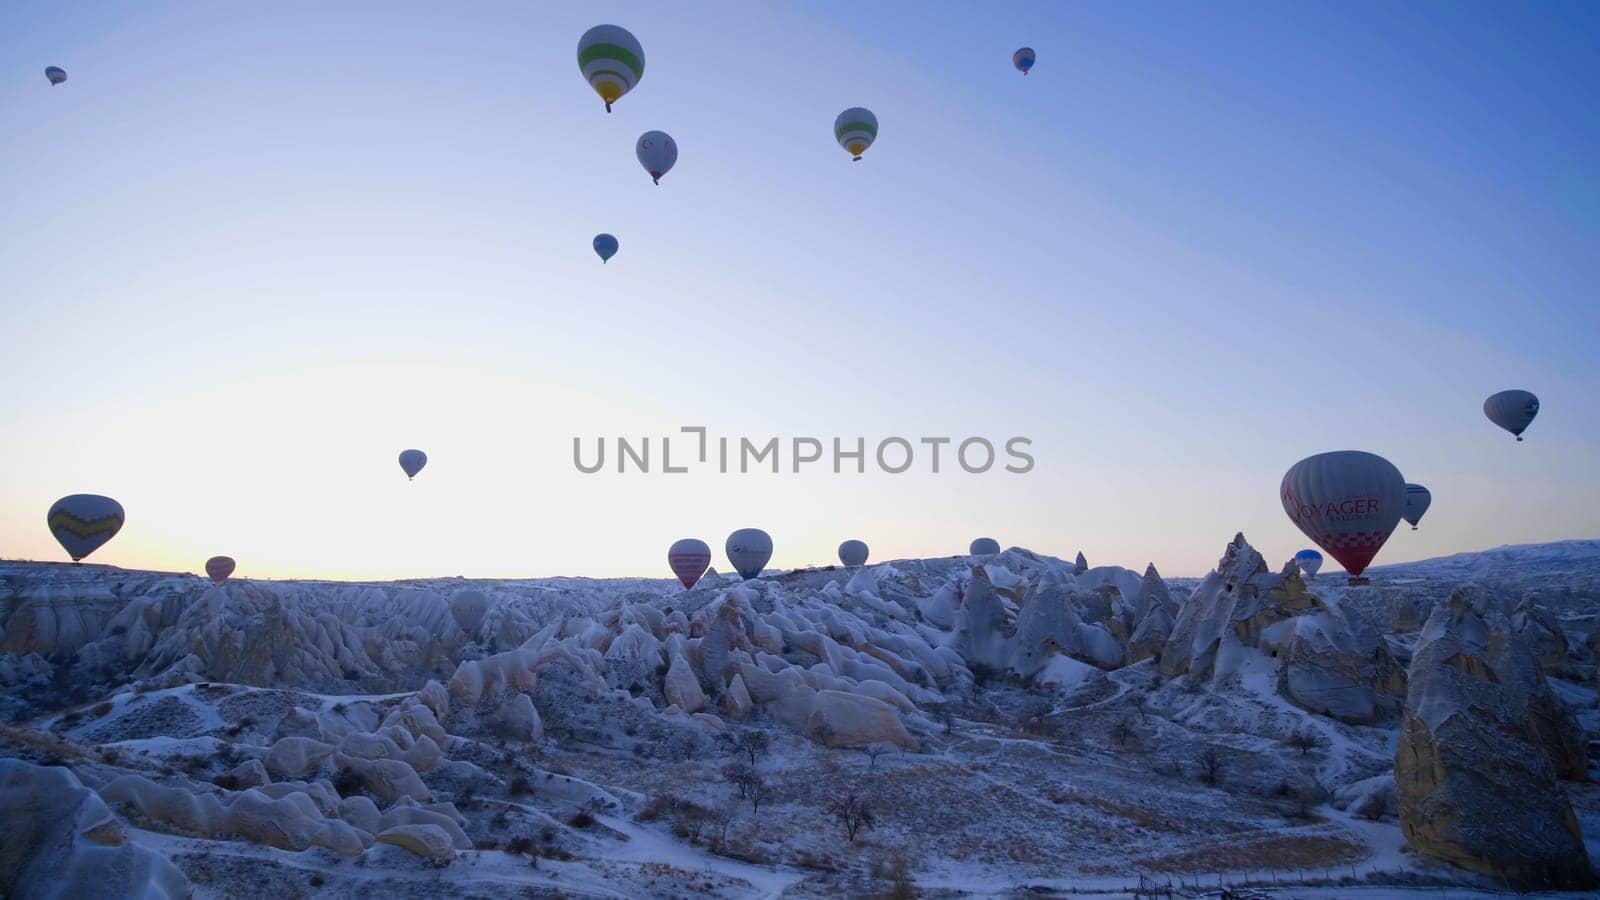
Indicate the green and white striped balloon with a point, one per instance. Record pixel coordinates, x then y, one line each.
611 61
856 129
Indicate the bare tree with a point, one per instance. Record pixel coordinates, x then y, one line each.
1122 731
758 790
721 817
750 742
1305 740
739 774
854 810
1141 704
1210 762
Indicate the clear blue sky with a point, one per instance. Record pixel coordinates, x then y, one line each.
250 252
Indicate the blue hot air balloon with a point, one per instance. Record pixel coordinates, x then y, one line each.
1309 562
412 462
1023 59
983 547
606 246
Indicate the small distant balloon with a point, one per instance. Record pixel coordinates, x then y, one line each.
467 607
1309 562
749 549
689 559
56 74
853 553
218 568
1348 502
1512 410
856 128
83 522
1023 59
984 547
657 152
606 246
611 61
1418 499
412 461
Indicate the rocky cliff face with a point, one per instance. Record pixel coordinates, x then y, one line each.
58 839
1483 743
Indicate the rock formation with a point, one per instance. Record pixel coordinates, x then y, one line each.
1477 785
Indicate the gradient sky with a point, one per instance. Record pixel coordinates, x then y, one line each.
249 252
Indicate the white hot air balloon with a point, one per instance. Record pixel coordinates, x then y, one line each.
749 549
1418 499
1348 502
412 461
983 547
853 553
657 152
1512 410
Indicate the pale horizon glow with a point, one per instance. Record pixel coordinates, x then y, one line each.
252 253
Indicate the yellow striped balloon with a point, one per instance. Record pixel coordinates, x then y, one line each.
611 61
856 129
82 522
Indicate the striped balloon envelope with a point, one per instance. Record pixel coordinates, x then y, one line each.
689 559
1348 502
218 568
611 61
82 523
1418 499
856 128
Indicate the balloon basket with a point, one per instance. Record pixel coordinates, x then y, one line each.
1360 582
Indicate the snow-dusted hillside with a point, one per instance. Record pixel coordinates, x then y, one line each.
987 724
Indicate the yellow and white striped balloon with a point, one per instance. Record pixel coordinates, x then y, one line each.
611 61
856 129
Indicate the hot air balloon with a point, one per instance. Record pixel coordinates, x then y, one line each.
606 246
82 522
1512 410
611 61
1309 562
657 152
689 558
1417 502
856 129
1023 59
853 553
749 549
1348 502
218 568
984 547
412 462
467 607
56 74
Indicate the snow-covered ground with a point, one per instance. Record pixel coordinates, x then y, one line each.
995 718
